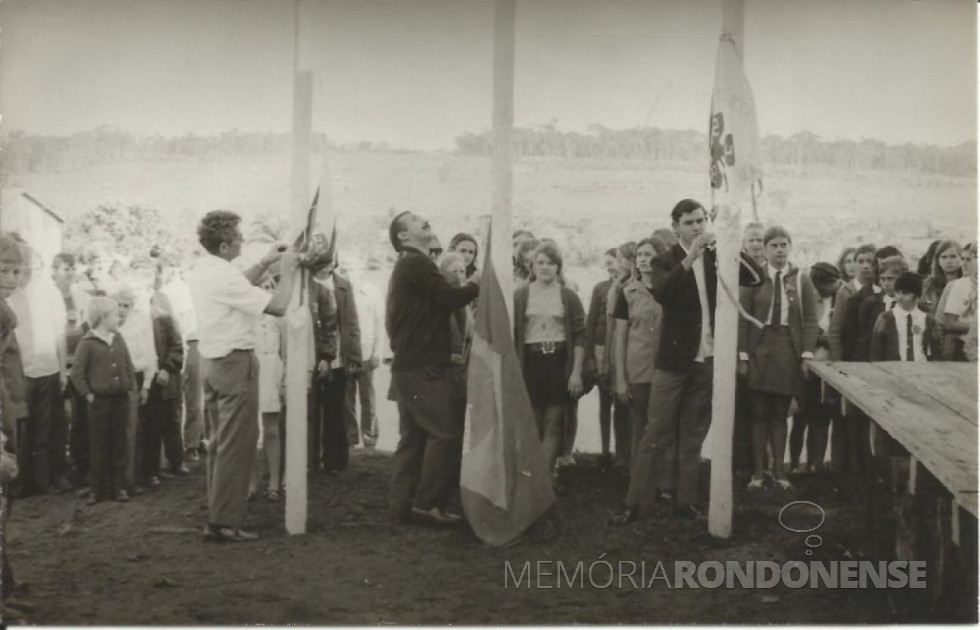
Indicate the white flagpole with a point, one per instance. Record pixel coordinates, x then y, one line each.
298 318
728 232
501 178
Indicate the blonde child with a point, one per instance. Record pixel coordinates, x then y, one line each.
104 376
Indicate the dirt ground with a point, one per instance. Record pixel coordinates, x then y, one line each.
145 563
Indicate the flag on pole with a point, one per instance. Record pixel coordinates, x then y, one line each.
505 483
736 159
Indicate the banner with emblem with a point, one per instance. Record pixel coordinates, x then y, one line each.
736 159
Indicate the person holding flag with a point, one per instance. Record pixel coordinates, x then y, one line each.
420 303
685 283
228 307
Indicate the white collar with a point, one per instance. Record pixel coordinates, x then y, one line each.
773 271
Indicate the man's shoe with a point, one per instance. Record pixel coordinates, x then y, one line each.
62 484
605 462
166 475
437 516
757 483
218 534
629 514
181 470
138 490
21 605
153 481
689 511
122 496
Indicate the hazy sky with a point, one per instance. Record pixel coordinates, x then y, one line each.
416 73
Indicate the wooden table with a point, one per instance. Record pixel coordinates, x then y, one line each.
929 408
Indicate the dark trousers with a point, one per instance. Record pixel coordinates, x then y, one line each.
360 387
742 432
614 415
108 418
327 437
813 420
34 443
678 420
193 395
425 467
636 419
78 441
161 426
7 582
231 392
134 436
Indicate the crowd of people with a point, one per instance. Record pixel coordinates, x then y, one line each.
118 373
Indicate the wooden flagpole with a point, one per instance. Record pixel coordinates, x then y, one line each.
298 318
502 178
728 232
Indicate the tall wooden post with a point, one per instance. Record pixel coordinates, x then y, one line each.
501 177
728 230
298 318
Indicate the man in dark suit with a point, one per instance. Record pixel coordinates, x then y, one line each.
857 334
685 283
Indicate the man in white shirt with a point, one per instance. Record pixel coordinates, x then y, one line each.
370 314
228 307
41 322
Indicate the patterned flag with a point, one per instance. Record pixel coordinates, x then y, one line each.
505 483
736 161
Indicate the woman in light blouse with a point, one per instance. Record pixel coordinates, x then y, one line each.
549 333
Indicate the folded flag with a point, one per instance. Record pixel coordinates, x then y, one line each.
505 483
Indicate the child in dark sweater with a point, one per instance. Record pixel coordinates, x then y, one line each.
103 375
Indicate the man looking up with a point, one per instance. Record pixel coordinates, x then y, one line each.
420 301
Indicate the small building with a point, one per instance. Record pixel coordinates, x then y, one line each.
23 213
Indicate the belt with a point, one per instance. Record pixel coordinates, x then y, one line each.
546 347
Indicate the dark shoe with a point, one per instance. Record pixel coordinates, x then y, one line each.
153 481
437 516
62 484
192 455
122 496
166 475
138 490
218 534
272 496
92 499
629 514
181 471
689 511
21 605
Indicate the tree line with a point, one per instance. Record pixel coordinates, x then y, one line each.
24 152
651 144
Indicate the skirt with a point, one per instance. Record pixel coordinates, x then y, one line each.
774 366
544 376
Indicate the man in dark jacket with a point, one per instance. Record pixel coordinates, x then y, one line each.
338 357
420 303
685 282
161 422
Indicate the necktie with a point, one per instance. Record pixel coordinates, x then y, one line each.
777 300
909 348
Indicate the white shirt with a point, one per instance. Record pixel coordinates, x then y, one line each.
784 299
889 302
960 301
707 346
918 328
227 306
827 307
179 294
41 321
370 315
137 331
